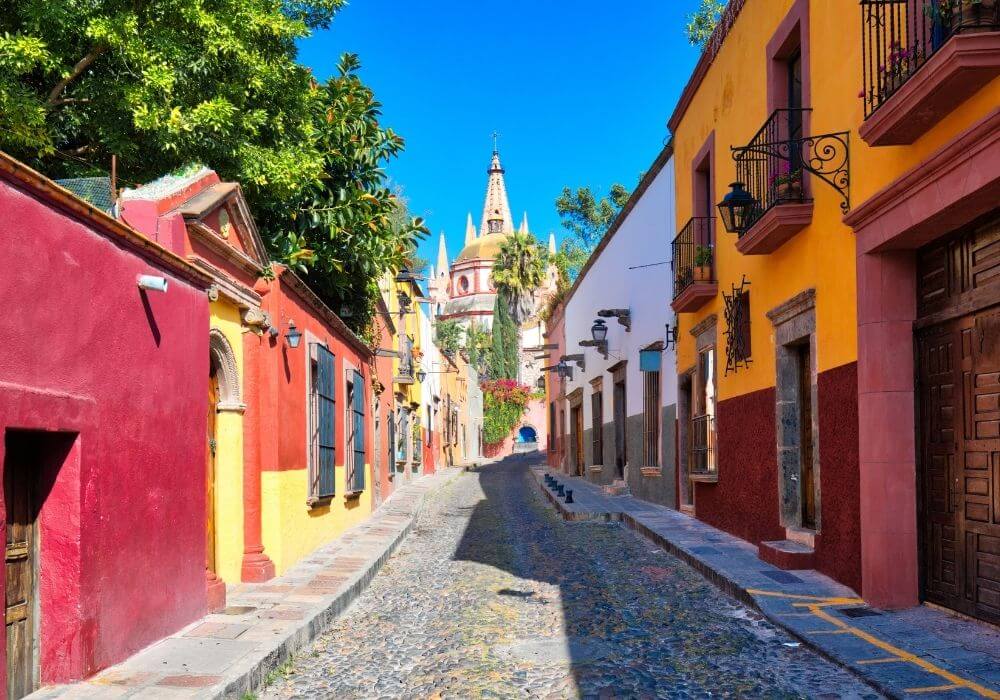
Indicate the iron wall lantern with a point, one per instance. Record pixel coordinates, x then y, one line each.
599 331
293 335
421 375
624 317
671 337
737 209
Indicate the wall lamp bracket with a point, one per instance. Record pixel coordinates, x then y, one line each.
578 358
624 317
601 345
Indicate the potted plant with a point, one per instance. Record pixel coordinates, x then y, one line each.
702 263
786 184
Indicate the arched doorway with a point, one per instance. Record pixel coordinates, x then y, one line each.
527 433
223 397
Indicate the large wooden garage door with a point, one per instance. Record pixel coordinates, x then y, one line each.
958 359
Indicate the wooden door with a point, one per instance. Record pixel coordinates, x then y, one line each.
807 467
20 569
211 450
578 439
620 429
960 463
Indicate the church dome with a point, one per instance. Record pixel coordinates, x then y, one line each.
484 247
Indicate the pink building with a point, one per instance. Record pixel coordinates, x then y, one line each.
102 401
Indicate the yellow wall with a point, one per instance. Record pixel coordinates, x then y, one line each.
291 529
229 458
732 101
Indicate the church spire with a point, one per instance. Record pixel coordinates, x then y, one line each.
552 243
524 225
442 263
496 209
470 230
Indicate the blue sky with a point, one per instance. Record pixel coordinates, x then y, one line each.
579 91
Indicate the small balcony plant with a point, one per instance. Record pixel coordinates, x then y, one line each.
786 184
702 271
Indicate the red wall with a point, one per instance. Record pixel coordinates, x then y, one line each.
123 526
838 547
276 383
744 502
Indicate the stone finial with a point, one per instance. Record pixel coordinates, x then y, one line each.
442 261
470 230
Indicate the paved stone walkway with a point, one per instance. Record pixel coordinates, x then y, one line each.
494 595
922 652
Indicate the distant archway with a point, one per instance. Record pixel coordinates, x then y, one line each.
527 433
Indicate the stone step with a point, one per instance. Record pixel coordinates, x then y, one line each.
787 554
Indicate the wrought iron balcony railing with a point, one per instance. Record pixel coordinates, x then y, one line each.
693 254
899 36
702 452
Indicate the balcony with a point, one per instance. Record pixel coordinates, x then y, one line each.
693 265
404 372
771 166
922 59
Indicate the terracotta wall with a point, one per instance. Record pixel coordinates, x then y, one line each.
123 375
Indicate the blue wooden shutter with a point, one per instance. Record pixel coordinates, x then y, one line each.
359 431
326 416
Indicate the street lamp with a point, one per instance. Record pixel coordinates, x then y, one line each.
599 331
736 209
293 335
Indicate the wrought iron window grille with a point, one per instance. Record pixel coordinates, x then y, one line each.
737 315
773 164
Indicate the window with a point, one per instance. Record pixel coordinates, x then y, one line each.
651 419
356 431
702 434
463 283
597 427
418 440
322 404
552 426
401 434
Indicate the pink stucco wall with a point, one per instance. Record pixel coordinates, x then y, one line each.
122 375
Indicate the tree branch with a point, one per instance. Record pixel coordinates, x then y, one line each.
78 70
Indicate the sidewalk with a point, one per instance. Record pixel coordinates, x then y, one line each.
229 654
922 652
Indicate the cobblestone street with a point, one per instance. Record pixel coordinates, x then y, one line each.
493 595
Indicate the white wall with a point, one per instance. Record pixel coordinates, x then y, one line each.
643 238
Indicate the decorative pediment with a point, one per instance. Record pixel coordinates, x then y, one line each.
219 216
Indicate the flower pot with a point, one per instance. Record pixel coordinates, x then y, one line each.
702 273
787 191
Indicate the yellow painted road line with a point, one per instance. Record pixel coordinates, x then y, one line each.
932 689
827 632
886 660
816 608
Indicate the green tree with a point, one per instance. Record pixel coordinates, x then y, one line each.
702 22
518 272
503 358
448 336
476 346
164 83
587 219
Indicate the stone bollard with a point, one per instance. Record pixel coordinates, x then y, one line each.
569 495
560 489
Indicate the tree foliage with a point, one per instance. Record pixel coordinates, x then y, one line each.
504 403
477 344
503 359
518 272
165 83
702 22
587 219
448 336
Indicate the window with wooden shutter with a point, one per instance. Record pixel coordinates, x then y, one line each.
357 424
402 436
651 419
322 418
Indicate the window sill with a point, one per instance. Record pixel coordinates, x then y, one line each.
687 509
595 468
705 478
353 495
315 502
954 73
651 472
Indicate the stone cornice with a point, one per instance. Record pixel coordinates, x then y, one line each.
798 304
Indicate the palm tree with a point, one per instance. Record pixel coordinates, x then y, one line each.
518 272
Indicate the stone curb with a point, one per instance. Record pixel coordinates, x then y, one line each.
719 580
252 680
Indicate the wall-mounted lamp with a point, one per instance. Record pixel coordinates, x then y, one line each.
624 317
421 375
152 283
737 209
293 335
564 370
599 331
